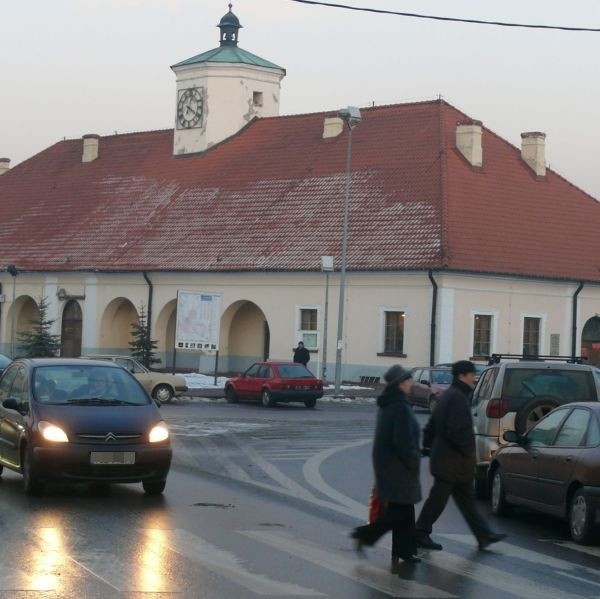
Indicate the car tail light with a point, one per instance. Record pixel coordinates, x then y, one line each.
496 408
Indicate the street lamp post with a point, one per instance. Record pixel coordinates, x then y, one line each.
12 269
326 267
351 116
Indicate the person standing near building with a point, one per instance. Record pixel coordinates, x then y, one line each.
396 461
451 443
301 354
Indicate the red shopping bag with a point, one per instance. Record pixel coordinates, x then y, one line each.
375 506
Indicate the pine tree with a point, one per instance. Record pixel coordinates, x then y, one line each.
39 342
142 347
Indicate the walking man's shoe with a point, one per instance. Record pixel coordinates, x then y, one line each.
426 542
489 539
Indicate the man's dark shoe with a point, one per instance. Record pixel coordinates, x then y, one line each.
359 544
489 539
426 542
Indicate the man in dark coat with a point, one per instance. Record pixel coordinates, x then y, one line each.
451 443
396 461
301 354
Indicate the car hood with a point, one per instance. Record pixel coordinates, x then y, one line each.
117 419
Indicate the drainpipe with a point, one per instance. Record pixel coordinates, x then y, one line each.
150 291
574 320
433 317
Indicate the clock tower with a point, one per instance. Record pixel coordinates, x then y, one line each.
221 91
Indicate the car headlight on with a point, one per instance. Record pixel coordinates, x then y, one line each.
51 432
159 433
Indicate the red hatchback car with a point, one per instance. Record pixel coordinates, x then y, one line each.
271 382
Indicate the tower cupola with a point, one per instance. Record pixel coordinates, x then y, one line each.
229 26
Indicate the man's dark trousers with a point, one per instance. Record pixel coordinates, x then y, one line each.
464 496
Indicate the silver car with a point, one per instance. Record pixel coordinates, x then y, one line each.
161 386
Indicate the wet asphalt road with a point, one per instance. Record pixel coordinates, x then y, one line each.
259 503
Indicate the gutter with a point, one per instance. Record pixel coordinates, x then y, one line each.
574 320
433 318
149 311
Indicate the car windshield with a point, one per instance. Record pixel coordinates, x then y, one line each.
4 361
294 371
87 385
567 385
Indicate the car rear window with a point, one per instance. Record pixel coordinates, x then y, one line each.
567 385
294 371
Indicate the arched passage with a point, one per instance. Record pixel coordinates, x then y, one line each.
164 332
70 337
590 340
20 315
115 325
245 336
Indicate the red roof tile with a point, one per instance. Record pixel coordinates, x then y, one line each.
271 198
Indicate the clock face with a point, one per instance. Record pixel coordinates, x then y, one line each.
189 108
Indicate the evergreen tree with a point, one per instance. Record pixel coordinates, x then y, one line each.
142 347
39 342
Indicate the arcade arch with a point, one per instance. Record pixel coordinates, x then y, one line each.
115 324
590 340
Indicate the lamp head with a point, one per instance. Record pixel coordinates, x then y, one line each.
351 115
12 269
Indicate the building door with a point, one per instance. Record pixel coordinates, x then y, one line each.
590 341
70 338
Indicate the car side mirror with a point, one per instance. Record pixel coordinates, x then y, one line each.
512 437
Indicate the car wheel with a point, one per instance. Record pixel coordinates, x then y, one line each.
530 413
31 483
230 395
154 487
500 507
581 519
310 403
432 403
163 393
482 483
1 469
266 399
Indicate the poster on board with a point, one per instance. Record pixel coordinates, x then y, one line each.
198 320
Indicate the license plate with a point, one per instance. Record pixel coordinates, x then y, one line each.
111 458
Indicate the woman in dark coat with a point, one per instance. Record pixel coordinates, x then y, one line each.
396 461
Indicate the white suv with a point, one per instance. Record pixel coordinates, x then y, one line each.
515 395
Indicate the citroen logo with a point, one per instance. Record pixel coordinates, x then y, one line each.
110 437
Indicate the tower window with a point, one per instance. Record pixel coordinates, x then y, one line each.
257 98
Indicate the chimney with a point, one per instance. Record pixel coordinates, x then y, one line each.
533 151
91 144
332 127
468 141
4 165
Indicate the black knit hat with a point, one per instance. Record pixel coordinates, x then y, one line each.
462 367
396 374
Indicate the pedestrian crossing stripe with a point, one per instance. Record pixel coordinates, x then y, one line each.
58 547
361 572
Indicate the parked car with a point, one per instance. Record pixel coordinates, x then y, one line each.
66 419
161 385
429 382
553 468
272 382
512 396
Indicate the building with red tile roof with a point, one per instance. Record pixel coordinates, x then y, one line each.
449 225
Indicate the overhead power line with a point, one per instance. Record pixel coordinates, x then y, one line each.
451 19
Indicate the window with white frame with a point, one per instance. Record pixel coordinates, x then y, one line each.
482 334
393 332
308 327
531 336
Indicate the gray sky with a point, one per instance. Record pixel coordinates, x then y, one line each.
71 67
